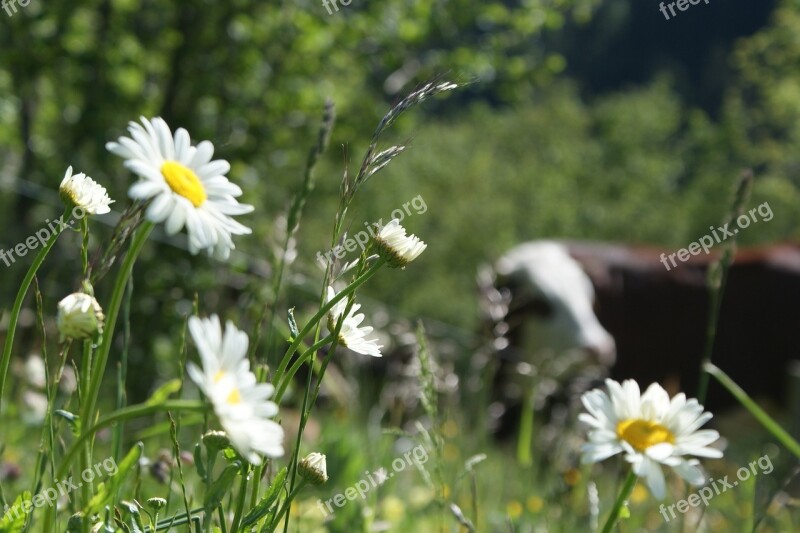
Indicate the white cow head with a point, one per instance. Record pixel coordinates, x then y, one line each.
553 298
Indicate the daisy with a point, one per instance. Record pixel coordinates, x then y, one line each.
81 191
396 247
79 317
650 429
351 335
241 404
186 187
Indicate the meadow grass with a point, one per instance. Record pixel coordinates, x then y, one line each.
244 454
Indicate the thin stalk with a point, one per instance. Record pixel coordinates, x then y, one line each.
237 516
758 413
15 311
296 366
525 438
718 278
112 312
624 494
86 456
287 504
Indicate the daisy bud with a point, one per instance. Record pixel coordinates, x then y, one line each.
79 317
81 191
156 504
75 523
313 469
216 441
397 248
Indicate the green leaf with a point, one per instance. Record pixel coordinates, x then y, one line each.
72 419
14 520
198 461
136 518
106 491
264 506
163 393
222 485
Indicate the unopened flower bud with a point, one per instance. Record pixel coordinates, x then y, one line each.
313 469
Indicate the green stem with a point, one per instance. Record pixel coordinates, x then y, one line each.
85 246
296 366
15 311
321 313
287 504
624 494
237 517
85 459
525 439
769 424
177 520
112 312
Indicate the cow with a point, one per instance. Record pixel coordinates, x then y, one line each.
623 307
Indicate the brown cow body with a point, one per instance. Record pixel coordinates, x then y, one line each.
658 317
647 323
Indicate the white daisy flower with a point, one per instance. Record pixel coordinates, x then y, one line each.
396 247
650 429
351 335
241 404
81 191
186 187
79 317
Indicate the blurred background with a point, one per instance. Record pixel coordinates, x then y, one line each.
580 119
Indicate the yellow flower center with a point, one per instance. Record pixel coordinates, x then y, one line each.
234 397
218 376
641 434
184 181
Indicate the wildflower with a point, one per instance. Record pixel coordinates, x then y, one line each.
351 335
241 404
79 317
83 192
396 247
313 468
650 429
186 187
